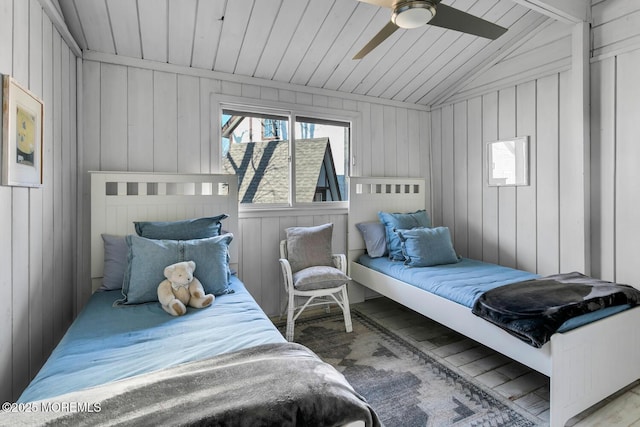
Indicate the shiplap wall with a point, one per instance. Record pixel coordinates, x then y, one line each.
513 226
529 227
37 226
616 25
546 50
519 227
615 131
146 116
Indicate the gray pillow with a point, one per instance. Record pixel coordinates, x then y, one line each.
115 262
373 234
309 246
319 277
188 229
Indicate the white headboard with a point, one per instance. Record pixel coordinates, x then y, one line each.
368 196
120 198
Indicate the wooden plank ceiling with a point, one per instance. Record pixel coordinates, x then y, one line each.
304 42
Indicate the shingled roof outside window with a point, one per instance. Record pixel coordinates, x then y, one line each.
263 171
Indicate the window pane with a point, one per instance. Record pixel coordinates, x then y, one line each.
255 147
321 159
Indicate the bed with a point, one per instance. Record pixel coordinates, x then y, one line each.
124 361
585 364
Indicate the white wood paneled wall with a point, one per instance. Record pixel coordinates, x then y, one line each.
615 27
38 226
545 50
615 108
530 227
513 226
146 116
524 93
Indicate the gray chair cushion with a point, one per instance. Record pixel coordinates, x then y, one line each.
319 277
309 246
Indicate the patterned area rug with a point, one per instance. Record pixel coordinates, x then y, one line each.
406 386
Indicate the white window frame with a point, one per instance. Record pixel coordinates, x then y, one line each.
221 102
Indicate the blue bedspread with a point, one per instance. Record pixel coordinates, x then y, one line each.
462 282
108 343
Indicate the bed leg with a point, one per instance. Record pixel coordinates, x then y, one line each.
346 310
290 323
557 418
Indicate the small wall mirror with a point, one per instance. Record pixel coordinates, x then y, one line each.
508 162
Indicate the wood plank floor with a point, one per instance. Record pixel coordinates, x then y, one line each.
525 387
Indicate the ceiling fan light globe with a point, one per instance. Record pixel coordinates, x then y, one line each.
413 14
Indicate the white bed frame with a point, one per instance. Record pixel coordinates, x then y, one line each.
120 198
585 365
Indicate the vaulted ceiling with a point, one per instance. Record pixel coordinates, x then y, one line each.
304 42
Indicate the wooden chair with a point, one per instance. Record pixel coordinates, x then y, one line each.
320 292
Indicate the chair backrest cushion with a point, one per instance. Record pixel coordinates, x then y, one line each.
309 246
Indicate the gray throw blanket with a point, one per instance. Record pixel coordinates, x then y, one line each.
283 384
533 310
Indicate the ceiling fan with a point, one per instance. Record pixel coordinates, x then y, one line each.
416 13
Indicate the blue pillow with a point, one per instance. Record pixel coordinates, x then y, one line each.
147 259
424 247
375 240
394 221
188 229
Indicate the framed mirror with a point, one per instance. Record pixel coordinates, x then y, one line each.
508 162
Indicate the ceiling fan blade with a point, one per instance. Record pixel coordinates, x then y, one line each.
385 32
454 19
381 3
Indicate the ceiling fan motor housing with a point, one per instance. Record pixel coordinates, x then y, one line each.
413 14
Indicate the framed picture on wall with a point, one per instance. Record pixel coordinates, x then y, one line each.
22 135
508 162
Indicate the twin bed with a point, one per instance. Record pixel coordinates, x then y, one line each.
134 363
586 362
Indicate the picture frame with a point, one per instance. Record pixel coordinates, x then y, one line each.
22 135
508 162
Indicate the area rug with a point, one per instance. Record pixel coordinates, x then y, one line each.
406 386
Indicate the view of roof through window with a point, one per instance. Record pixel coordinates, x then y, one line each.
255 146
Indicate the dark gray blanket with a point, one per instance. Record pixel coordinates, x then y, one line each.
282 384
533 310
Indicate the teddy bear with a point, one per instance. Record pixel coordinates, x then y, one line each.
181 288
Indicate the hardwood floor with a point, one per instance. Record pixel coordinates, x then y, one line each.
525 387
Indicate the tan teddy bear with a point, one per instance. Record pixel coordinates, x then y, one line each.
181 288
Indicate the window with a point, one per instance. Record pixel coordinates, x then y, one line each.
262 150
321 160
